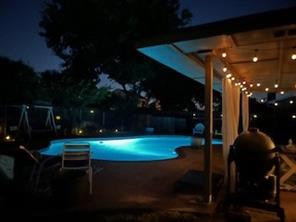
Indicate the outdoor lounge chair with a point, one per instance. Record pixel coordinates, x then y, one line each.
26 170
77 157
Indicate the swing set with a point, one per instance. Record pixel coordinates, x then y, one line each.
16 120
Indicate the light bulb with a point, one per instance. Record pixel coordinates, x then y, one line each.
224 69
224 54
258 84
293 56
255 58
282 92
228 76
266 89
276 85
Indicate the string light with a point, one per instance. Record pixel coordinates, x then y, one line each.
293 56
258 84
276 104
262 100
228 76
243 89
224 69
224 54
293 116
255 58
276 85
250 94
251 85
266 89
282 92
232 78
291 101
244 82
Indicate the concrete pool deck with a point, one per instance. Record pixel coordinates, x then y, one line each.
141 186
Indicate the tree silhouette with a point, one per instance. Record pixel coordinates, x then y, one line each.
98 36
19 82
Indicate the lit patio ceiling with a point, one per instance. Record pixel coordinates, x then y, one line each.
271 36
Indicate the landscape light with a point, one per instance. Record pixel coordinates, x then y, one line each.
92 111
293 116
116 130
255 116
276 104
58 117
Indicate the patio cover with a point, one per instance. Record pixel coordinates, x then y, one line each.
271 36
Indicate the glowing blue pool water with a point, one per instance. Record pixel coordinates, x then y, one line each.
142 148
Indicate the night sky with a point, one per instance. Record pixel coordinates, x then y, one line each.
19 38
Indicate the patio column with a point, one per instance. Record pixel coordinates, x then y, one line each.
208 128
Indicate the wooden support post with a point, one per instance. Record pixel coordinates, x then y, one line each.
208 128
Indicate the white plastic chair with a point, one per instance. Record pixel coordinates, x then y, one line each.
77 157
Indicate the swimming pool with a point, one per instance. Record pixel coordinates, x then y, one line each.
140 148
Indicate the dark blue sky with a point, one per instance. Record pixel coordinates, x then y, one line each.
19 38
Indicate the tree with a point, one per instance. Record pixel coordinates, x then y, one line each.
98 36
19 83
62 90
